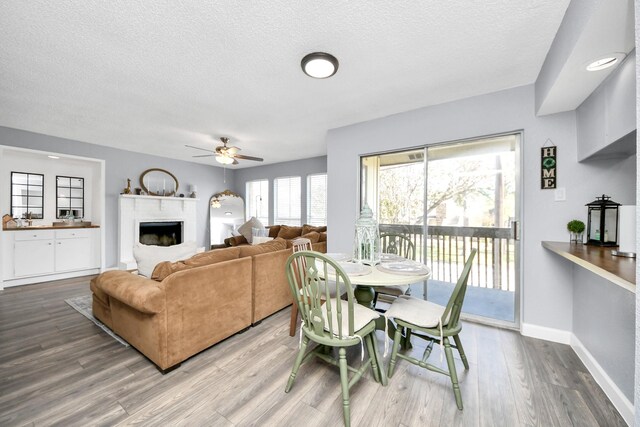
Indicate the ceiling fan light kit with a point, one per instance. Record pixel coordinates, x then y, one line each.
319 65
225 155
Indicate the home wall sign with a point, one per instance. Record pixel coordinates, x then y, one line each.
548 166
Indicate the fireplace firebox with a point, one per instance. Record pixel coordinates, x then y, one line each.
164 233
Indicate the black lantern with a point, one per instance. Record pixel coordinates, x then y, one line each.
602 228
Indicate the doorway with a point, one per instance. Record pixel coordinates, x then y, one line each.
448 198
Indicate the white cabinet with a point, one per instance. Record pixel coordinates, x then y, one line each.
33 257
38 253
74 250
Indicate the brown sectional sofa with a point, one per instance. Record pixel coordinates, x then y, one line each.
194 303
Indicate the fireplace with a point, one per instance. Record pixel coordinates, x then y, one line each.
161 233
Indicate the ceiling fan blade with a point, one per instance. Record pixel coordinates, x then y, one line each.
235 162
240 156
205 155
198 148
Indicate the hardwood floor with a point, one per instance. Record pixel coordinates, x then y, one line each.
56 367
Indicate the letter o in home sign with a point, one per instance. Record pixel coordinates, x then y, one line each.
548 167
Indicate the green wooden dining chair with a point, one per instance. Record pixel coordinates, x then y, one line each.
432 322
396 244
331 322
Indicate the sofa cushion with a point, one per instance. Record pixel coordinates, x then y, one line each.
246 228
287 232
323 237
276 244
313 237
274 230
306 228
166 268
148 257
133 290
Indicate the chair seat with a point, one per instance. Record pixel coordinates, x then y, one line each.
416 311
362 316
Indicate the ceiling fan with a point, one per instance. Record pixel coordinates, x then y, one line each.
224 154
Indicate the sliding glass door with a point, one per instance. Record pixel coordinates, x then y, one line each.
447 199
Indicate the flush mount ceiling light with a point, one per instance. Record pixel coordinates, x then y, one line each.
319 65
605 62
53 157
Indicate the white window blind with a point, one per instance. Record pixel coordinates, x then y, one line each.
258 200
317 199
287 201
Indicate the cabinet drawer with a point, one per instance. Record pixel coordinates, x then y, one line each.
33 235
73 233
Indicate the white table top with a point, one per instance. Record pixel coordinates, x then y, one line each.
380 278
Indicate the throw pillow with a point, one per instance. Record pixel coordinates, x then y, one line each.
260 239
237 241
306 228
287 232
246 228
314 237
148 257
323 237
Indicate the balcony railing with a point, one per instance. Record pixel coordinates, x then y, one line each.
447 248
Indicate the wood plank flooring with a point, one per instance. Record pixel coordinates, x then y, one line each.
58 368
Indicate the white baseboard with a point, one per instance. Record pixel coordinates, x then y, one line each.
48 278
615 395
619 400
547 334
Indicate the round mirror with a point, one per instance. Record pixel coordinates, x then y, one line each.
159 182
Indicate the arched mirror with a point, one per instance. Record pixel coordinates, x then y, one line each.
159 182
226 214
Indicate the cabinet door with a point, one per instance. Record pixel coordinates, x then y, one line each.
33 257
73 254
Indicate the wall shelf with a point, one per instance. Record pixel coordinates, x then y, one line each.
598 260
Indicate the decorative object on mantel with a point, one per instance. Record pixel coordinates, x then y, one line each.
193 189
159 182
627 246
9 222
602 223
127 189
576 231
138 191
548 165
367 241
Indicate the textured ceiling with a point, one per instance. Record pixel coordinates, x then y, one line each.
152 76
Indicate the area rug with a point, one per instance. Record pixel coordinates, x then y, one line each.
83 306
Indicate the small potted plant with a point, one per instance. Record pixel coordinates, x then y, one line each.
576 229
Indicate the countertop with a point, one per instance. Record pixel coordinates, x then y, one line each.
618 270
50 227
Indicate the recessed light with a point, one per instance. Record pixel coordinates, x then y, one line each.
605 62
319 65
53 157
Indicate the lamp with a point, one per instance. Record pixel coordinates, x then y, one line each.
602 225
225 160
319 65
367 240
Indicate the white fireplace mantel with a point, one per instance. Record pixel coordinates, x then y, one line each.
134 209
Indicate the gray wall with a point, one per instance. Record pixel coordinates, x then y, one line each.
300 168
547 291
604 322
121 165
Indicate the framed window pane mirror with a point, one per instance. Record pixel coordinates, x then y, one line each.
27 194
69 197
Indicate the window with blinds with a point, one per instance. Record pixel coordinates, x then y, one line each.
257 203
287 208
317 199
